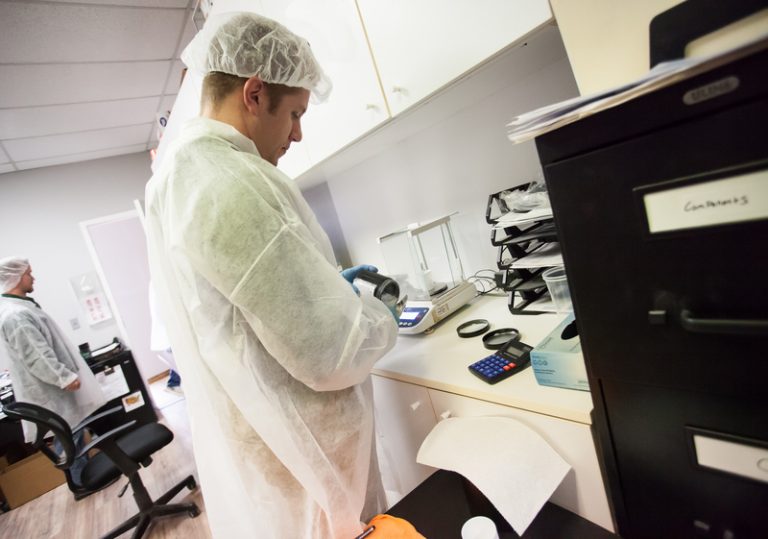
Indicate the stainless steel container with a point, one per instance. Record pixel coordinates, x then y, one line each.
379 286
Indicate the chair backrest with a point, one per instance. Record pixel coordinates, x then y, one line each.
46 421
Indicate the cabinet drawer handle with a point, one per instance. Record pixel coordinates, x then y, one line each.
372 107
399 90
722 325
445 415
415 405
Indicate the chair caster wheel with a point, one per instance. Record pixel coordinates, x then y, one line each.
194 512
191 483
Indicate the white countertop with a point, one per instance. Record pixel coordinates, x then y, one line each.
439 360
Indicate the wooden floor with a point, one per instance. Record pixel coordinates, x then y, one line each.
57 515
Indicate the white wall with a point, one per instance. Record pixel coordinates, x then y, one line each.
119 244
319 198
39 214
608 41
450 166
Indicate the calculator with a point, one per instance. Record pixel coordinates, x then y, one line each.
509 359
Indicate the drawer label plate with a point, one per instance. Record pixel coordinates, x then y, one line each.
716 202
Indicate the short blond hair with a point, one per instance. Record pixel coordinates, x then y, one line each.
217 86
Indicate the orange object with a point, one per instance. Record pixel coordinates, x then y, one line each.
389 527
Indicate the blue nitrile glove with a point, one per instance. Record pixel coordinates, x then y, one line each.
350 273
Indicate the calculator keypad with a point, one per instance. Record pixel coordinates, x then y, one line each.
493 368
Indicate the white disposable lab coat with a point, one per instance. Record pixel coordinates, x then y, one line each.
274 346
43 363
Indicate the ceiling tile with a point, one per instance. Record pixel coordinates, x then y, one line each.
3 156
34 85
71 143
56 119
7 168
142 3
44 32
87 156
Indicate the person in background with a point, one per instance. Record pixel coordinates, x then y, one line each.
174 379
275 346
161 345
45 368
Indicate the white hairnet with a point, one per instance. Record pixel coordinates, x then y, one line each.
11 270
246 45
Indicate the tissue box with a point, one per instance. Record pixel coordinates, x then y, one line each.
558 362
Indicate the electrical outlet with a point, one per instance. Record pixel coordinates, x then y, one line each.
75 323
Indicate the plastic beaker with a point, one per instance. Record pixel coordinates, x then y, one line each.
479 528
557 284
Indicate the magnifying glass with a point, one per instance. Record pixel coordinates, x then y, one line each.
473 328
499 337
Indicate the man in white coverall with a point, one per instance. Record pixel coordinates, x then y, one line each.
274 346
45 369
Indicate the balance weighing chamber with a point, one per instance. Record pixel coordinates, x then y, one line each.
424 260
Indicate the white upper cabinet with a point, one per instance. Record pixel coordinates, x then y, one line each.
356 104
416 47
421 45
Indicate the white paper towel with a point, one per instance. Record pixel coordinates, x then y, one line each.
509 462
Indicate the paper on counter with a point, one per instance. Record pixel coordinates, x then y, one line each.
510 463
513 218
549 254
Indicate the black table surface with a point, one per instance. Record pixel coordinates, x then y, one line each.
440 505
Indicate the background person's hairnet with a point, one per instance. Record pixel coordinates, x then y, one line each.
247 45
11 270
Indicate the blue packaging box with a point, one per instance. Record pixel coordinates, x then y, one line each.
559 362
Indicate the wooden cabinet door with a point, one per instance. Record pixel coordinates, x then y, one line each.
404 417
420 46
582 491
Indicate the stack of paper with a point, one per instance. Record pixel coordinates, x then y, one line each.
549 254
104 350
514 218
545 119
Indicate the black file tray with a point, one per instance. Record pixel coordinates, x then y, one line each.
524 285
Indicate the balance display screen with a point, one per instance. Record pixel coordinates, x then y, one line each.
409 315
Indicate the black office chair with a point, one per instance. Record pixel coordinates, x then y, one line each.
122 452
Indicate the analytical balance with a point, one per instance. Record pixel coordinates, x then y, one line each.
424 260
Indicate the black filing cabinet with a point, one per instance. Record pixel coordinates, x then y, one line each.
661 206
134 402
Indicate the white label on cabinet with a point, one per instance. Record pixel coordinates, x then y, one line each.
735 458
717 202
